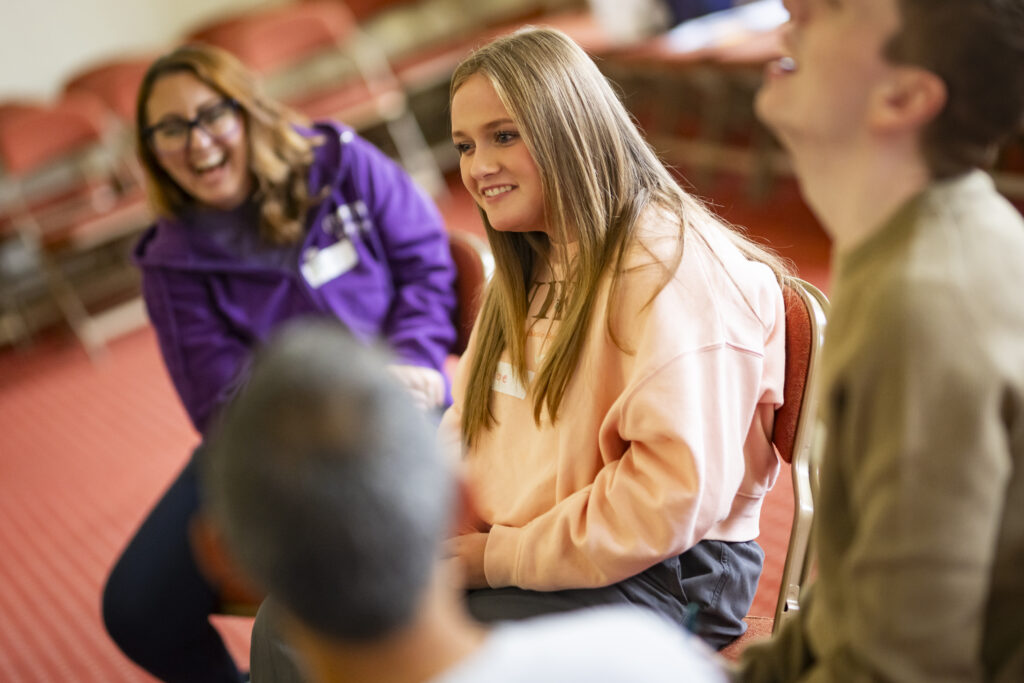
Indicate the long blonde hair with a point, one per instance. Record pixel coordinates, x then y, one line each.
598 176
279 156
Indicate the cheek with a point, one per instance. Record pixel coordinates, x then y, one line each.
238 148
464 172
175 166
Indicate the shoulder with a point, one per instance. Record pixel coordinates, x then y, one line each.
337 144
344 158
958 274
163 242
712 288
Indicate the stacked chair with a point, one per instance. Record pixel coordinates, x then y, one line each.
66 196
314 57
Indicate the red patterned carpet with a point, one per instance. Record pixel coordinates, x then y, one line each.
86 448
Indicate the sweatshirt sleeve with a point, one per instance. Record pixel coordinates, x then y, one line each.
680 427
419 327
204 357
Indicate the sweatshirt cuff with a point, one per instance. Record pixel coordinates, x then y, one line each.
501 556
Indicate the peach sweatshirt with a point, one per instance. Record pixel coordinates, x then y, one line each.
653 450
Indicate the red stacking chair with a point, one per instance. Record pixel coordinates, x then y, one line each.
62 197
116 83
434 65
14 108
314 57
796 431
474 266
795 434
426 40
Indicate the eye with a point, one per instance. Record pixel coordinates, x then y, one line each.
506 137
463 148
212 114
218 118
171 128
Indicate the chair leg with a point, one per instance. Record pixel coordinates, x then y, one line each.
14 327
73 310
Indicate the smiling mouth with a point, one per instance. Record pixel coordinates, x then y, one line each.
209 164
496 191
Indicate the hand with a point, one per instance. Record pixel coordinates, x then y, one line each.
467 551
426 385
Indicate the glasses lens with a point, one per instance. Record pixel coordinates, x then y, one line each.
170 136
218 120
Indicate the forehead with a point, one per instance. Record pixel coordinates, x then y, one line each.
180 93
476 102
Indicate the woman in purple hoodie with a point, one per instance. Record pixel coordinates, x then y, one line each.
262 220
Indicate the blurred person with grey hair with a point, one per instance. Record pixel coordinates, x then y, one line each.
325 487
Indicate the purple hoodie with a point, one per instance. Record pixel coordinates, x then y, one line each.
375 257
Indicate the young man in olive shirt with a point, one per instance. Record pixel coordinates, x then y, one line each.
890 108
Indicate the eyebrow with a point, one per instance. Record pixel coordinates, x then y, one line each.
490 125
171 116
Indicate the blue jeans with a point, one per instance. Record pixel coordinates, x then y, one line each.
156 604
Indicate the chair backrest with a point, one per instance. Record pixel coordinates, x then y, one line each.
474 266
63 176
36 136
796 430
116 82
363 10
271 40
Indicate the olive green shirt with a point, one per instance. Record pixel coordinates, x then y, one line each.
920 514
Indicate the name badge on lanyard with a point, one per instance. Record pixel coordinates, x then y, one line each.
320 266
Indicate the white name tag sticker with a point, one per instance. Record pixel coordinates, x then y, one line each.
507 382
321 266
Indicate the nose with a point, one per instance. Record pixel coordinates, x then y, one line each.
198 138
797 10
483 163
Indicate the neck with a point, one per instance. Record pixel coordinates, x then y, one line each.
441 635
855 192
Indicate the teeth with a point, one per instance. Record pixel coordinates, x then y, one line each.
207 164
787 64
495 191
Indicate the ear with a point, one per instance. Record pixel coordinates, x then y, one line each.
908 100
218 566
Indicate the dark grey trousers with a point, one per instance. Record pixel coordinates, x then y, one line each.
718 578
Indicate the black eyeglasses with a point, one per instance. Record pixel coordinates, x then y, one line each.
172 134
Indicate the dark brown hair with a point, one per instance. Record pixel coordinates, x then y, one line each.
977 48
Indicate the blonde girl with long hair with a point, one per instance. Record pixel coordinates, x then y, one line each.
615 405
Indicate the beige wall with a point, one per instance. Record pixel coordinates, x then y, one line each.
43 42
